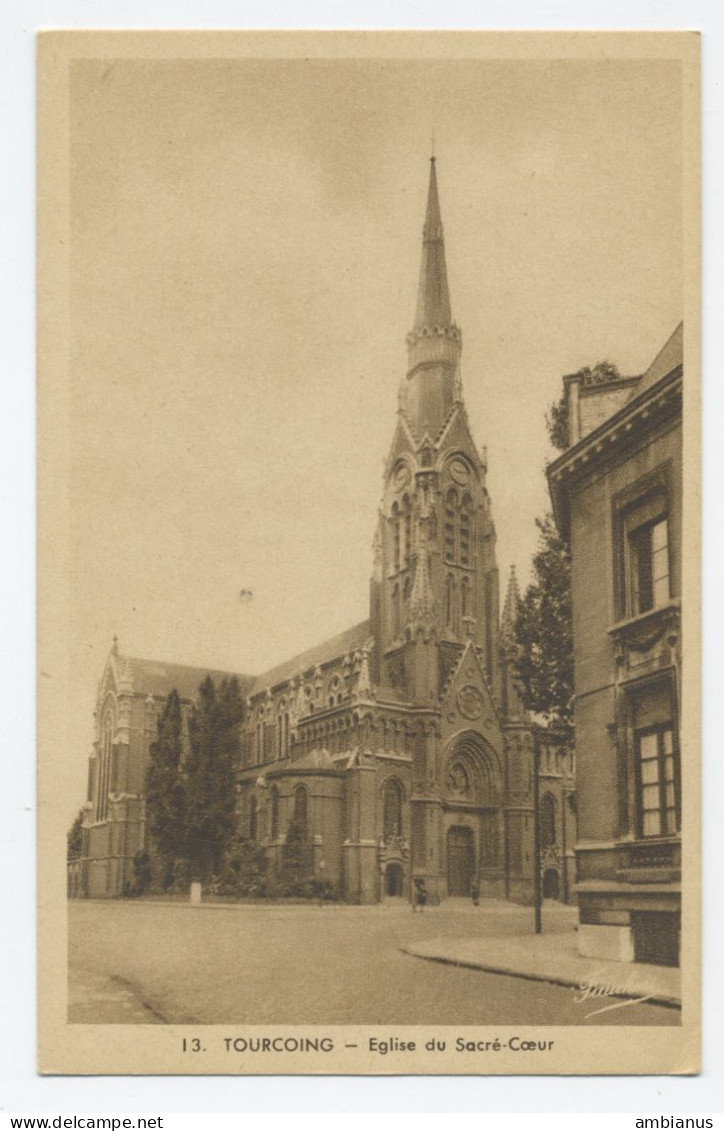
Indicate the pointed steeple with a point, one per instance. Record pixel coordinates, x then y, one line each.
433 296
434 343
510 611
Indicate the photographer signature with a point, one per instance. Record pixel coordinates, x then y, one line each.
591 991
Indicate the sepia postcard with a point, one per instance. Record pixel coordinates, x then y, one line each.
368 457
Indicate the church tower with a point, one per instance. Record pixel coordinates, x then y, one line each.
435 587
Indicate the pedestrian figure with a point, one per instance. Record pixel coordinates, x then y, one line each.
420 895
475 893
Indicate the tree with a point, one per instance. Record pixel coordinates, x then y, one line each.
543 631
75 837
297 856
166 800
557 416
215 754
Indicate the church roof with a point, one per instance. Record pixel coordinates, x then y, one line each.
348 641
317 759
157 678
433 296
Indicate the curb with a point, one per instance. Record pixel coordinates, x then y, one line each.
552 979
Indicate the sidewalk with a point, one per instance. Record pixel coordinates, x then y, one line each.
102 999
554 958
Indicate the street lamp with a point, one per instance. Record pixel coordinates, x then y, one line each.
537 897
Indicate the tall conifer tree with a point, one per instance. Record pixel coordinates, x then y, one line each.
215 751
166 801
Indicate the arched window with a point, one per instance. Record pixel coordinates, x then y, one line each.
459 529
395 537
395 609
274 803
465 531
407 531
407 590
451 508
450 601
253 817
547 815
282 730
105 755
301 811
465 597
260 736
392 810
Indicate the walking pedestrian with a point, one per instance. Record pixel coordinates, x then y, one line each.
420 899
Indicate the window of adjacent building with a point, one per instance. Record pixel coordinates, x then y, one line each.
392 811
645 555
649 547
658 781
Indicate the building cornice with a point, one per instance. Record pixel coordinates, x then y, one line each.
595 451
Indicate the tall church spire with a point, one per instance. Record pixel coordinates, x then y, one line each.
433 296
434 343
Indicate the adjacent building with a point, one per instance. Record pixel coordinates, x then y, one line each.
617 495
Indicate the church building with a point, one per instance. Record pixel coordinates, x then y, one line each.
399 750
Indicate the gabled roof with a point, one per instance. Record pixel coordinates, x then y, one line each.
158 678
348 641
317 759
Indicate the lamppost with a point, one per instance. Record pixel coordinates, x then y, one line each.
537 897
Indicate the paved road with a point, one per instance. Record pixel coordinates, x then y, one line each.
247 964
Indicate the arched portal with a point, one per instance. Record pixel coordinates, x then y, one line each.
460 860
393 880
472 832
551 884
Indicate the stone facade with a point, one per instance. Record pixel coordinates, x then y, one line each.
617 493
399 751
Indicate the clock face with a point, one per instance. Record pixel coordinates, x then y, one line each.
460 472
400 476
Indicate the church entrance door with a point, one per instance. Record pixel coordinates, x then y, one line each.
460 860
393 880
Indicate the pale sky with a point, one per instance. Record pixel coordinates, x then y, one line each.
245 246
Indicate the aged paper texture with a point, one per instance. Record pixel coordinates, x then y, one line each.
348 764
